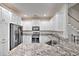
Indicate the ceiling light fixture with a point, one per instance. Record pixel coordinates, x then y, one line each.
44 14
25 15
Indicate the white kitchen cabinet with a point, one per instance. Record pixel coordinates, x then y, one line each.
27 39
6 17
0 15
19 20
15 19
3 39
3 28
3 48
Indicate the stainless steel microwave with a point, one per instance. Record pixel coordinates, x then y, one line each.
35 28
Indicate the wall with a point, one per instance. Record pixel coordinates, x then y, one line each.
6 17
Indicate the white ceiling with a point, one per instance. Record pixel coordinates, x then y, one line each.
39 9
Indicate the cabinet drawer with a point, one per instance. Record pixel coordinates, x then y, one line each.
3 49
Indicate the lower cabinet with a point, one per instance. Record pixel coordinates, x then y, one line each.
3 48
3 39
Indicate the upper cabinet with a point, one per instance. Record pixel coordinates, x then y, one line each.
15 19
0 14
5 15
9 17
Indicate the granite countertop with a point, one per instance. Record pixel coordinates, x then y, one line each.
34 49
37 49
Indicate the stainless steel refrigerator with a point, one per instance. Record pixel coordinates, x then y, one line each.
16 36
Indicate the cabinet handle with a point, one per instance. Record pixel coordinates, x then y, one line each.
3 42
3 39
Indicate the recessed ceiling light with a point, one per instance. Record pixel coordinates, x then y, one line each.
44 14
25 15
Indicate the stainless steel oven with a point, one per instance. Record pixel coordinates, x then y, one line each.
36 34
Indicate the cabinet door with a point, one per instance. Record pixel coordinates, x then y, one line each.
14 19
0 48
18 20
3 39
0 15
3 48
5 15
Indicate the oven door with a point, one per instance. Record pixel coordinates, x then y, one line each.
35 38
